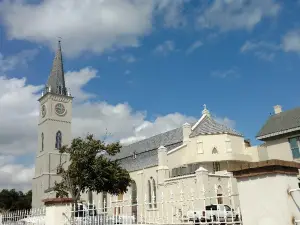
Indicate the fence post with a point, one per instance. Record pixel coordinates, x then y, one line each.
58 211
163 169
202 182
268 192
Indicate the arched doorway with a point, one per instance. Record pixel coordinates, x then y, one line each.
134 199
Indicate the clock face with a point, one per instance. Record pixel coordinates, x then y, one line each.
60 109
44 111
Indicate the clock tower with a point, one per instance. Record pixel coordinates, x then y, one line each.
54 131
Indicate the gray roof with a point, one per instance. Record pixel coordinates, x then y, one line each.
56 80
173 138
210 126
166 139
280 123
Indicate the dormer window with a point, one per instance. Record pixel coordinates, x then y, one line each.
134 155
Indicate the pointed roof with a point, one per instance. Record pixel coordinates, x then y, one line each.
206 125
56 81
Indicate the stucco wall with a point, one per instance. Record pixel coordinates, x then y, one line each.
279 149
269 202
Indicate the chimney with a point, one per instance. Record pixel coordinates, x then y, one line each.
277 109
186 131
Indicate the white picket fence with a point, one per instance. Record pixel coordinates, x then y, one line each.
166 209
170 208
22 217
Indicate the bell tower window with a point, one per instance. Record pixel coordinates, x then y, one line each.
42 137
58 140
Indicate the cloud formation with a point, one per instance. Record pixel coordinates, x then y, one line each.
165 48
233 15
20 59
194 46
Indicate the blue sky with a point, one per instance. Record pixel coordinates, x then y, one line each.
240 58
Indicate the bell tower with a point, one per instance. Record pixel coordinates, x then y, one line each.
54 130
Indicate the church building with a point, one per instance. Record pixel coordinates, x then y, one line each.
191 157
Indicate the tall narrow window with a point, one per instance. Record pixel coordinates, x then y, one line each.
58 140
294 144
200 147
154 194
104 201
219 195
228 145
149 194
134 200
42 137
216 167
90 197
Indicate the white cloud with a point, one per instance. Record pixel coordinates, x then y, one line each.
194 46
159 125
14 175
165 48
241 14
231 73
129 58
93 25
19 59
291 41
77 79
250 46
263 50
172 10
225 121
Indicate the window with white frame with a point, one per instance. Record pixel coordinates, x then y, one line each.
294 144
200 147
228 145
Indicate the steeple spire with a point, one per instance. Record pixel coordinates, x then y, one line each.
56 81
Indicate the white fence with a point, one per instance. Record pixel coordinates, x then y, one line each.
185 208
22 217
168 208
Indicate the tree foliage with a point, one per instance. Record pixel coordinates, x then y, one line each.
15 200
91 169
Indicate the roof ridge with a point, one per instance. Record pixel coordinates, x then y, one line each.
152 136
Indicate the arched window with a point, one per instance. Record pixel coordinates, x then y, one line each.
42 137
215 150
220 195
58 140
154 194
134 199
149 194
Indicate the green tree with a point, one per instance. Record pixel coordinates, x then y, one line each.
90 169
14 200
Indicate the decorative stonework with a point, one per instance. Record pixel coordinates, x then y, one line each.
60 98
264 168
